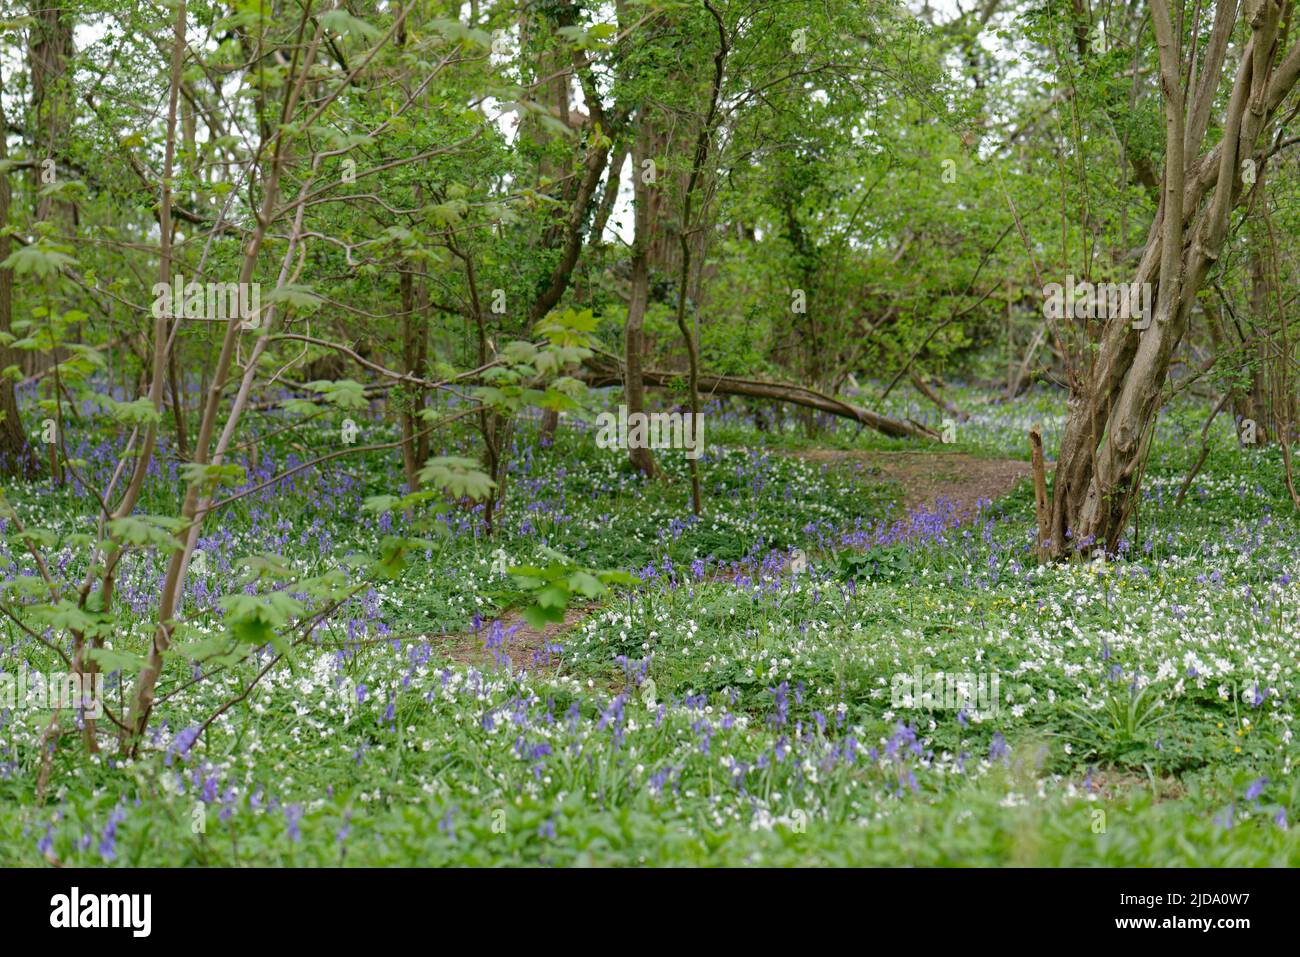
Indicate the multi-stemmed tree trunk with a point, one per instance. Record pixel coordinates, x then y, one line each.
1113 402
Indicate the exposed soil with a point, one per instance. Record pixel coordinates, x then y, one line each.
1111 784
926 478
522 643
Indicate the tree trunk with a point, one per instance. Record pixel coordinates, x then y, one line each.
16 458
642 459
1112 406
49 52
415 355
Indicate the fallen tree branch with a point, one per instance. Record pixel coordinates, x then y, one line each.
605 374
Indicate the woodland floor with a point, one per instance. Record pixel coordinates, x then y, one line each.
930 477
925 479
726 707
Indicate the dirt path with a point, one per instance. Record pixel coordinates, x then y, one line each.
524 644
926 478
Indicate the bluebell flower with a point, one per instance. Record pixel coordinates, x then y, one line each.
998 749
1256 788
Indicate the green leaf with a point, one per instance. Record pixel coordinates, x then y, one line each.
459 476
38 260
253 630
539 617
393 551
110 659
210 476
553 596
256 619
215 650
138 412
586 584
146 530
519 351
379 504
345 24
66 616
343 393
295 297
38 537
266 565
